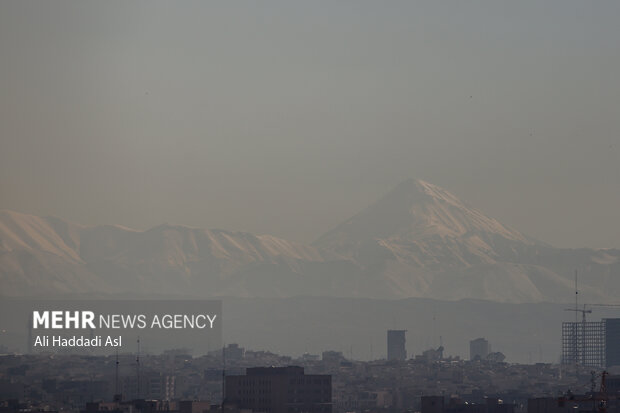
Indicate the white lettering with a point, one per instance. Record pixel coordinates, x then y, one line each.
39 319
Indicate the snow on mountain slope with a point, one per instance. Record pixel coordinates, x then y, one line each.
47 255
417 241
416 210
38 256
29 232
425 242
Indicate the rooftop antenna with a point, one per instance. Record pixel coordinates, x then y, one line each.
434 327
29 345
576 321
576 325
576 298
441 349
116 374
540 353
223 374
577 330
138 367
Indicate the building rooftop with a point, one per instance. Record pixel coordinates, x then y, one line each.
272 371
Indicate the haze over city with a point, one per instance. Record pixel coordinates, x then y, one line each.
309 207
288 118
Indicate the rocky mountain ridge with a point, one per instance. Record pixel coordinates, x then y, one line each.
417 241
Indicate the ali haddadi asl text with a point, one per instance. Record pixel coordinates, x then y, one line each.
78 341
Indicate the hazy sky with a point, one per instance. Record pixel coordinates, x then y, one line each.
288 117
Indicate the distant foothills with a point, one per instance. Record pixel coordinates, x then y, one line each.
417 241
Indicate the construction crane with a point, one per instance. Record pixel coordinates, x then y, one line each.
576 329
583 332
599 400
582 311
602 394
577 337
579 331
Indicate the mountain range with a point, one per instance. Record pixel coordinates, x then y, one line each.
419 240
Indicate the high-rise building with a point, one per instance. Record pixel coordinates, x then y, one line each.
583 343
479 348
591 343
396 345
612 342
280 390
